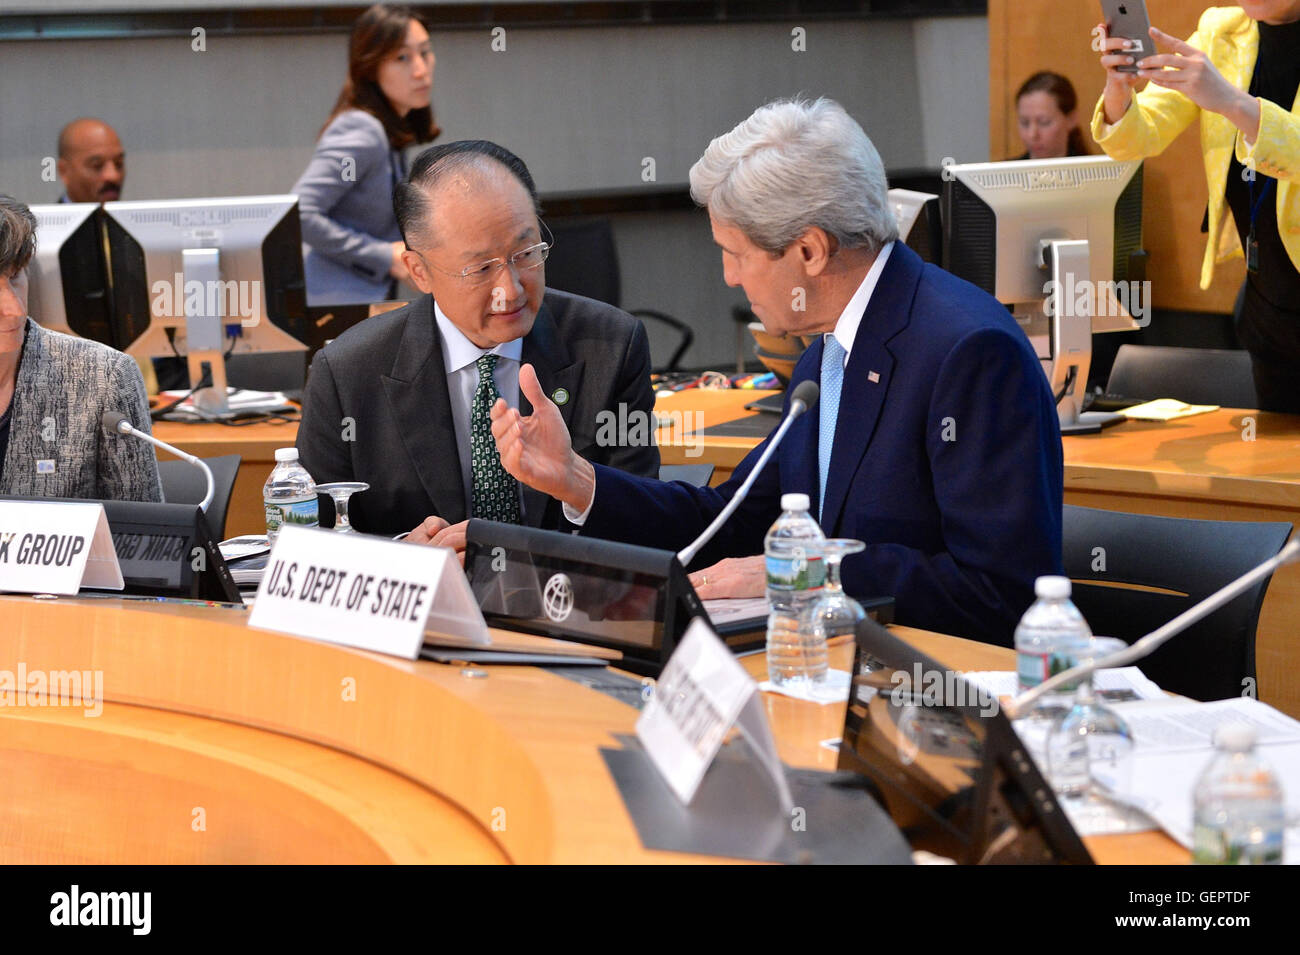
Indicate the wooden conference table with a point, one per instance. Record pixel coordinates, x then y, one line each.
1230 464
220 743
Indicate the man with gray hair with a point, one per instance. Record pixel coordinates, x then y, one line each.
935 439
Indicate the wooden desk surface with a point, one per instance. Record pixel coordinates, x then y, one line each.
290 750
1231 464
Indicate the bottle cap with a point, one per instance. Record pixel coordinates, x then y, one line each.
1053 588
794 502
1235 737
286 454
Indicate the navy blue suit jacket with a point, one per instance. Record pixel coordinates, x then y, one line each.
947 462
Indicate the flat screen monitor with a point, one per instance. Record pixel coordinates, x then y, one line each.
997 216
634 599
207 279
1058 241
165 550
68 288
917 215
168 550
948 765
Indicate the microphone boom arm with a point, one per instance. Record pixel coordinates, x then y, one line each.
124 426
1155 638
797 407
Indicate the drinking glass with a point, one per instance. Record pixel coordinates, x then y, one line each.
835 613
339 492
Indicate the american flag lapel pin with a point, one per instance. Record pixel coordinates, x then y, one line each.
873 377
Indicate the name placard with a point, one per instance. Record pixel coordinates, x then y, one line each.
364 592
56 547
701 694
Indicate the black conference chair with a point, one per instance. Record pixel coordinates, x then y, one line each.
183 483
585 262
696 474
1198 376
1109 553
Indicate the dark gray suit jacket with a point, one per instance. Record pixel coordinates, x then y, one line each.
377 408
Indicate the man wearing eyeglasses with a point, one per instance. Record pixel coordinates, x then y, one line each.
402 400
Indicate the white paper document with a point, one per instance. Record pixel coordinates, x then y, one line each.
729 610
1112 686
1173 743
834 689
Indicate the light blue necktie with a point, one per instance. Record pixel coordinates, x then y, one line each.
828 405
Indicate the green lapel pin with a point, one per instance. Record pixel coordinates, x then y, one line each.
560 396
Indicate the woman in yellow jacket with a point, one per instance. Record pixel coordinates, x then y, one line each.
1240 73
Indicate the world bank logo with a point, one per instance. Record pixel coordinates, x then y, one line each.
557 598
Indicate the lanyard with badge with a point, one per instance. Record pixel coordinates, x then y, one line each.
1252 243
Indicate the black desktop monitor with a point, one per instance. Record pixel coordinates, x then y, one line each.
206 279
262 297
949 766
634 599
68 289
168 550
1059 242
164 550
995 215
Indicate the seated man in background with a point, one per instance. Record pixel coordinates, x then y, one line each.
935 439
92 163
53 390
401 401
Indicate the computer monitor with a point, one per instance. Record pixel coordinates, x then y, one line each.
949 767
637 600
164 550
917 215
67 278
1059 242
208 277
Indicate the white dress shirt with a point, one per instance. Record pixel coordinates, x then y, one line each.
459 358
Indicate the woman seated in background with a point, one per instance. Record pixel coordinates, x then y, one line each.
353 249
1239 74
53 390
1045 114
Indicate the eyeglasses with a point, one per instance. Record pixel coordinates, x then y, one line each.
524 260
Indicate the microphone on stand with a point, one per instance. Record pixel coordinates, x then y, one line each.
1021 704
114 422
801 399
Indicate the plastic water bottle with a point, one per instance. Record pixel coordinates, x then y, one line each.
1052 636
289 495
1238 810
795 572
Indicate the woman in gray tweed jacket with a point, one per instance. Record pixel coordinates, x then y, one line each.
53 390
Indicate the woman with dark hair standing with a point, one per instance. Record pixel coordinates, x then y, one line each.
1045 114
353 247
1239 74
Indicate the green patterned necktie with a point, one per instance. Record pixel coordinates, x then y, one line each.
496 493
